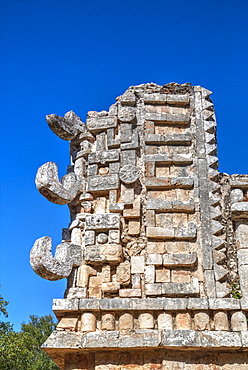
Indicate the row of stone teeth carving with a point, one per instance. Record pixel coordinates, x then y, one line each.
216 320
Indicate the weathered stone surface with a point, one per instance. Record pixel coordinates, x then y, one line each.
166 182
181 289
179 260
165 321
239 210
221 321
181 119
66 127
105 221
201 321
48 184
103 183
96 124
137 264
146 321
238 321
58 267
108 253
157 242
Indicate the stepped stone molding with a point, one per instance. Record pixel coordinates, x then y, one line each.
156 252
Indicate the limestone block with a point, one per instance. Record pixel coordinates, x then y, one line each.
237 195
100 205
103 183
223 290
169 182
179 159
73 293
137 264
180 276
134 227
242 255
89 304
149 274
175 304
239 210
67 323
136 281
242 235
146 321
188 233
110 287
154 259
125 293
123 273
116 207
155 98
106 273
84 272
221 321
162 275
76 236
238 321
114 236
159 232
224 304
181 289
64 305
89 237
197 304
218 339
108 304
131 213
201 321
218 256
57 191
88 321
165 321
180 119
126 114
101 339
170 139
178 99
104 156
183 321
104 253
103 222
126 322
127 194
108 321
179 259
243 280
95 124
58 267
153 289
181 338
219 272
114 167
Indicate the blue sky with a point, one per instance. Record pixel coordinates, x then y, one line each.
59 55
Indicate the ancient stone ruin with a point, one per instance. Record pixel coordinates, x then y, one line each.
156 253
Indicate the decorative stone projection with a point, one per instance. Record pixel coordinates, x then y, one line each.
156 252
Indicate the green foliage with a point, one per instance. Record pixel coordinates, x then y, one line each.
21 350
236 291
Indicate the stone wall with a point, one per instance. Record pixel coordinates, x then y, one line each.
156 253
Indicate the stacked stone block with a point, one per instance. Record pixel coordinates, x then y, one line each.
156 248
